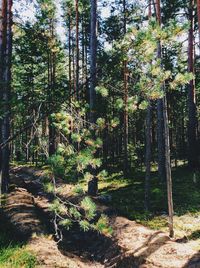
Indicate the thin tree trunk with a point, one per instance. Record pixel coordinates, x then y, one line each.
93 58
93 184
77 50
148 156
198 14
148 144
125 71
6 55
166 139
192 111
69 55
160 127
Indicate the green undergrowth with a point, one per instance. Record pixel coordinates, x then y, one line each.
14 254
128 198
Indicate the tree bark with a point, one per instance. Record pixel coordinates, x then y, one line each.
93 184
148 156
160 126
192 110
77 51
125 71
6 54
167 157
148 132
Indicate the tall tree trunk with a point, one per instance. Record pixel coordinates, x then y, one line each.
77 50
6 54
93 58
69 55
192 111
125 71
52 84
93 184
148 143
160 127
198 14
167 160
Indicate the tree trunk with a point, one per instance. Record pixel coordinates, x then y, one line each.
192 111
93 57
77 51
148 156
69 55
6 54
160 127
125 71
93 184
148 144
198 14
167 160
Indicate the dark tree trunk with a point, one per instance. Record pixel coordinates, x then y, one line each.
93 184
167 160
6 54
160 127
69 55
192 111
125 72
148 156
77 51
148 133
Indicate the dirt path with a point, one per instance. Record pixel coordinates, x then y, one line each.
132 244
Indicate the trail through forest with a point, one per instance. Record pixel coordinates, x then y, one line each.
131 245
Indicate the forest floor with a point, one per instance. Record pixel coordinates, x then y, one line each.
142 243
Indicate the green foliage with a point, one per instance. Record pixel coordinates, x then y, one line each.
102 225
75 213
85 225
68 161
102 91
57 207
78 189
101 123
66 223
57 162
89 207
48 187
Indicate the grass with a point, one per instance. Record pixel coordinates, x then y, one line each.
14 254
128 198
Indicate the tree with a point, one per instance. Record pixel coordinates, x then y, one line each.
93 184
77 49
5 79
148 140
192 110
125 71
160 126
163 106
